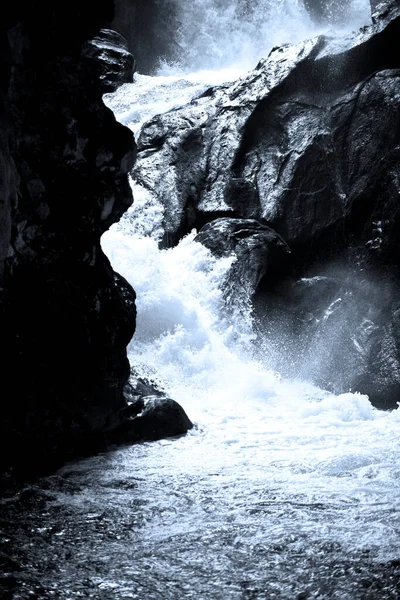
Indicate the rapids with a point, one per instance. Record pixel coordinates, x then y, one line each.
282 490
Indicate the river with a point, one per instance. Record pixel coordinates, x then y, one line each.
282 490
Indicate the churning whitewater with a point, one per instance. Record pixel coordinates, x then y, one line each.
271 464
281 490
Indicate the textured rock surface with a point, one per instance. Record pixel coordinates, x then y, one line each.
109 53
283 143
66 317
258 250
308 144
149 414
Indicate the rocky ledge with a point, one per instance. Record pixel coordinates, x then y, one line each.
306 145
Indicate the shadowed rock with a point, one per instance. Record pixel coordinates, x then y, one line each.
259 251
110 55
159 418
65 316
308 143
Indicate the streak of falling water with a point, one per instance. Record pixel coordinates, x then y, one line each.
281 491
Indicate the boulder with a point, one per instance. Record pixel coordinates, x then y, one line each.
260 253
160 418
296 142
108 51
307 144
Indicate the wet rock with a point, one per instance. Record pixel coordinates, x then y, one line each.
109 53
260 252
139 387
309 144
382 9
295 142
149 414
160 418
135 393
340 330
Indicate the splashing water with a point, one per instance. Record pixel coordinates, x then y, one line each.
216 34
281 491
256 434
271 463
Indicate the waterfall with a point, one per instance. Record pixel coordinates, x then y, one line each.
184 334
271 440
282 490
215 34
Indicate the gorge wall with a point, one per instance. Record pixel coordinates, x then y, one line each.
65 316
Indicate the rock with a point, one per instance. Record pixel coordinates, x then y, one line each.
339 330
308 143
289 143
382 9
140 387
259 251
65 316
161 418
108 51
149 414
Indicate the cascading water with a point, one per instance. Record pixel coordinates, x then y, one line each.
282 490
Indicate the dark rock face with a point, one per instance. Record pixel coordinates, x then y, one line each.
149 415
66 317
260 253
282 144
161 418
339 329
308 144
109 53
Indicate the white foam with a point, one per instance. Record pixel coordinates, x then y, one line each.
253 429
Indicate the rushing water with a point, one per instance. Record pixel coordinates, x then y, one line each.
281 491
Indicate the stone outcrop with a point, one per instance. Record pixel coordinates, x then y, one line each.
282 144
339 329
307 144
149 414
66 317
258 250
109 53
